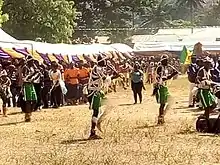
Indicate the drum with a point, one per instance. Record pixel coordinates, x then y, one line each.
212 125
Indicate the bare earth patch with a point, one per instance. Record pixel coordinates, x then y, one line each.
58 137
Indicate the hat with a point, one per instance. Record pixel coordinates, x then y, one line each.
164 57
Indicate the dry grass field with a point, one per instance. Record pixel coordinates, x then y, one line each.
130 137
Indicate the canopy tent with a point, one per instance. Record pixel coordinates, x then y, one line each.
6 37
10 47
174 46
173 40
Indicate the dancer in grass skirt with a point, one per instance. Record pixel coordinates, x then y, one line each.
28 93
95 93
204 79
160 87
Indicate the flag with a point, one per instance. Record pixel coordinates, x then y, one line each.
185 57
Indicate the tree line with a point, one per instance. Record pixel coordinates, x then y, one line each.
63 20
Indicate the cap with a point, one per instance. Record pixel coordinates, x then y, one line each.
164 57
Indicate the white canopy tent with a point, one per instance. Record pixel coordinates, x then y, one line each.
174 46
8 42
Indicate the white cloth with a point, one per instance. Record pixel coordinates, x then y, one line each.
55 77
191 93
96 82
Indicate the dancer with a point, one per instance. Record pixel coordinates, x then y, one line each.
160 87
192 73
95 93
216 78
29 96
5 92
205 82
137 82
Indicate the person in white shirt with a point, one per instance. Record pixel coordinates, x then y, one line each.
56 92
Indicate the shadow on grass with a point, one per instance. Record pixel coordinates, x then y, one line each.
148 126
15 113
186 132
185 112
13 123
121 105
182 107
195 110
80 141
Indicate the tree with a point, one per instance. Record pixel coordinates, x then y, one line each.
50 20
3 17
157 15
210 16
97 14
192 4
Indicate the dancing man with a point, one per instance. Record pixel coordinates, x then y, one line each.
205 82
192 73
95 93
160 87
28 93
5 92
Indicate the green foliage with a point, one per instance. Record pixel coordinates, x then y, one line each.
50 20
195 4
181 23
53 20
3 17
158 14
210 16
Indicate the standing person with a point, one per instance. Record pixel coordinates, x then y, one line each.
71 77
126 74
95 94
47 84
56 77
5 92
204 79
192 73
28 96
150 73
160 87
37 81
83 81
137 85
216 77
19 75
14 85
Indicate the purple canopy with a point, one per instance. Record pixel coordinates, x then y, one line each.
3 54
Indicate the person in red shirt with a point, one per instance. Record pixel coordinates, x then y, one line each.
71 77
83 82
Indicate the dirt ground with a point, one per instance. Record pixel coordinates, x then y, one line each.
130 135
